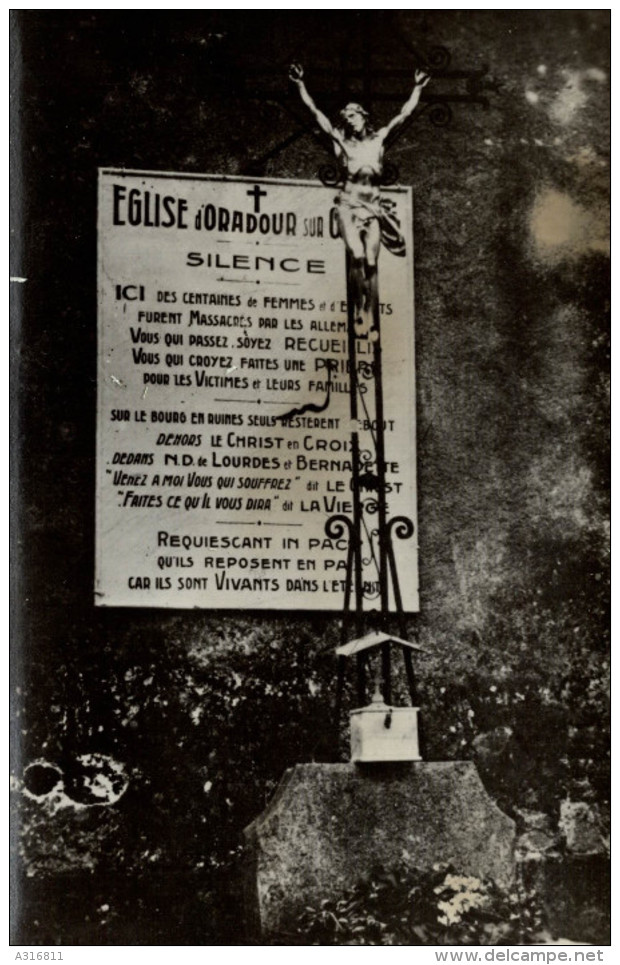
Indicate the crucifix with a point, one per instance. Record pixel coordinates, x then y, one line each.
366 222
367 225
357 71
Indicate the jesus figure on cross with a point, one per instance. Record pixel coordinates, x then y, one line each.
364 217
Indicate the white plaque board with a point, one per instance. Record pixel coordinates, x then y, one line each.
221 309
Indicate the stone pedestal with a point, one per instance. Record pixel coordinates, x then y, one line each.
328 825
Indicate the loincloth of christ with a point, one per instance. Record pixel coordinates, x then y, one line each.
365 205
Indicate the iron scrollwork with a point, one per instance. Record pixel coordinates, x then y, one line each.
439 58
336 525
439 113
330 175
402 526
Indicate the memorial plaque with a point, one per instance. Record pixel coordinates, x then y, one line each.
224 427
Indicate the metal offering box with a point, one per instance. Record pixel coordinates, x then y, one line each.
383 733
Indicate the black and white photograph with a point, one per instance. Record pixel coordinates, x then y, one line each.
310 479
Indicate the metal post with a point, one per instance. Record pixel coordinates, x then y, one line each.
386 669
355 461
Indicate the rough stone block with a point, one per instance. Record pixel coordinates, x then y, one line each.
581 827
328 825
536 846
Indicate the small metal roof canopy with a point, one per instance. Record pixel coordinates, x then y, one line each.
374 639
359 647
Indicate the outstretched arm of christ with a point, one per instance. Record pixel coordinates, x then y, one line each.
296 75
421 80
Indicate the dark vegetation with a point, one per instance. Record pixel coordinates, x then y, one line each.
206 730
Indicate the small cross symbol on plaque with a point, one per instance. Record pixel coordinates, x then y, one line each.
257 194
